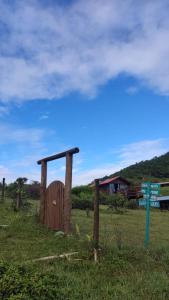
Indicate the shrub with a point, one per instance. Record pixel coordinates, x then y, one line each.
117 201
132 204
104 198
33 190
82 202
82 197
20 282
85 189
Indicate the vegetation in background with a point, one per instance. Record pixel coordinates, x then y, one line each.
28 190
82 197
164 191
132 204
33 190
156 169
17 192
117 202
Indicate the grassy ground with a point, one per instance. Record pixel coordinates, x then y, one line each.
126 269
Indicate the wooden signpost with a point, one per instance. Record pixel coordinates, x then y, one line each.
55 201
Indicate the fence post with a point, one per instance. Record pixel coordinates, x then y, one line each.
96 215
67 198
3 190
43 191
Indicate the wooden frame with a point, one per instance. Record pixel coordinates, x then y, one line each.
68 185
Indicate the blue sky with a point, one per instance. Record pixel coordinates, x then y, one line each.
92 74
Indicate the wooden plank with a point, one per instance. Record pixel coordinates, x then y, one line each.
67 198
65 255
54 206
59 155
43 191
96 215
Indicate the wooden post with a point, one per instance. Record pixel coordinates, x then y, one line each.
3 190
18 200
96 215
43 191
67 198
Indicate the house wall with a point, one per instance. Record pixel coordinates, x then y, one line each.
115 186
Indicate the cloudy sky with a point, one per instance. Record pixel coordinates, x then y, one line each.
86 73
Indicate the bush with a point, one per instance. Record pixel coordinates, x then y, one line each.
82 197
117 201
85 189
20 282
132 204
82 202
104 198
33 190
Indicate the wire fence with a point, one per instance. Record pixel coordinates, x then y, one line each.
123 228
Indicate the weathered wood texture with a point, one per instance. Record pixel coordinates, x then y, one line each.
59 155
3 190
54 209
43 191
96 215
68 187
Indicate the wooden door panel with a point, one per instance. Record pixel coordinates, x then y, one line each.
54 208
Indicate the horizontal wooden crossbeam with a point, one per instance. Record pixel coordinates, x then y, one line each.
58 155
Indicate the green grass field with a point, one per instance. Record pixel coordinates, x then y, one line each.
125 271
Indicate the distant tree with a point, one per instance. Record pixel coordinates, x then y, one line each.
33 190
17 192
20 191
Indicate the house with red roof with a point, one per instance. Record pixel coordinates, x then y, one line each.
114 185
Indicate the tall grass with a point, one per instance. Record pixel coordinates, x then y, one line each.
125 271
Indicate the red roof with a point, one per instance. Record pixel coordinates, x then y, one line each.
110 180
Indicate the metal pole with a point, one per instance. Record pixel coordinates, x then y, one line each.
147 218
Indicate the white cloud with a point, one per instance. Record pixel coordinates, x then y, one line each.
4 110
132 90
85 177
142 150
5 172
44 117
31 136
47 51
20 150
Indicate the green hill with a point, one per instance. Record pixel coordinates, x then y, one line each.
153 169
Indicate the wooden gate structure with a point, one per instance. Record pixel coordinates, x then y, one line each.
55 200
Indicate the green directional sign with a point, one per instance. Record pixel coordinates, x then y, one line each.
150 192
153 198
145 191
145 185
155 192
155 186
